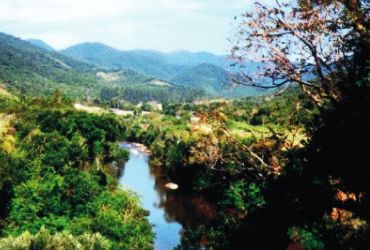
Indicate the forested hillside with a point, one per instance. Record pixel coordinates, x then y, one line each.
26 68
55 190
213 80
35 67
202 70
41 44
143 60
29 69
107 57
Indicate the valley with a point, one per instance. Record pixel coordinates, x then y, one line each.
89 70
105 145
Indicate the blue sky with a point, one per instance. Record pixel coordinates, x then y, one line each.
165 25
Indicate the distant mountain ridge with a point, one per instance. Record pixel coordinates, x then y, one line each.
200 70
180 57
157 64
83 70
41 44
27 68
187 58
112 59
212 77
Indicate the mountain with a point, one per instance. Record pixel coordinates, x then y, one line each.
195 58
201 70
214 80
109 58
27 68
157 64
82 71
122 77
208 77
182 57
41 44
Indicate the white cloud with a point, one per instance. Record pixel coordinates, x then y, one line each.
126 24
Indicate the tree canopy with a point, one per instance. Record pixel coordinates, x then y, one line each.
320 45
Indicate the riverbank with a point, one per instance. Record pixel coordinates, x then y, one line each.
138 177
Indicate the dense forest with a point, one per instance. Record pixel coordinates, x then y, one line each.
283 168
53 180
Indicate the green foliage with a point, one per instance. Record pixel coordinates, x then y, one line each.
124 227
201 71
145 92
48 181
242 155
16 169
63 241
212 79
290 108
51 148
110 58
252 178
30 204
173 156
244 197
81 188
117 153
29 69
88 133
309 239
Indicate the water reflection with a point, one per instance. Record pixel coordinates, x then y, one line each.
189 211
136 176
170 210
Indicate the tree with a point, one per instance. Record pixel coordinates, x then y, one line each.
322 46
56 98
45 240
299 40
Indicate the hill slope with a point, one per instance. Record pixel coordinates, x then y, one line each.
109 58
208 77
214 80
202 70
41 44
29 69
195 58
151 62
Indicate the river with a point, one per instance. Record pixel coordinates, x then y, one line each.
138 177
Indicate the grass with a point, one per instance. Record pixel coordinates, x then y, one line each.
244 130
6 94
5 120
90 109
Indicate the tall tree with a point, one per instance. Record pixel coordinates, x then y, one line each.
322 46
302 39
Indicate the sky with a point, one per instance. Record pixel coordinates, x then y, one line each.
164 25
